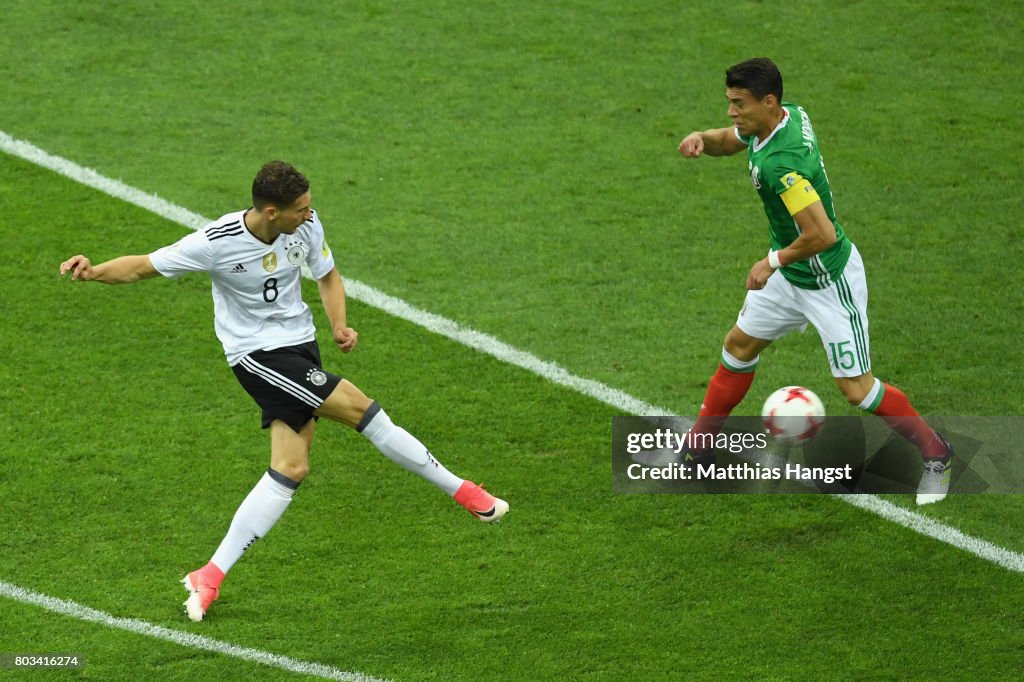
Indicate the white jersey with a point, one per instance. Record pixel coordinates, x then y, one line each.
257 291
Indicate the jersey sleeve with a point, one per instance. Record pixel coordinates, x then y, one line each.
792 185
191 253
320 259
745 139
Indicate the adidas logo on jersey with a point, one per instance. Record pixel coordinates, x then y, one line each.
238 268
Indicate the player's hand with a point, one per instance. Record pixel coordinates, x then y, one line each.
346 338
79 267
692 146
759 274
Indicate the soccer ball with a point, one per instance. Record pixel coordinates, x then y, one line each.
793 415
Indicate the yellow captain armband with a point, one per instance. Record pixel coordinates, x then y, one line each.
798 193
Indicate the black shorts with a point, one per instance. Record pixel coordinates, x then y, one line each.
288 383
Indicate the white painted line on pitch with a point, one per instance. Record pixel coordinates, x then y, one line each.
922 524
485 343
925 525
187 639
490 345
91 178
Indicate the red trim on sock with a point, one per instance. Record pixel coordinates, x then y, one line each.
465 492
725 391
214 576
902 418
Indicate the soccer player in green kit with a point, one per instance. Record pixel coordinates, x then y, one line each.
812 274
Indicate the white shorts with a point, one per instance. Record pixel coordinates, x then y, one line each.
839 313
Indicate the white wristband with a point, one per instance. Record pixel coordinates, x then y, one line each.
773 260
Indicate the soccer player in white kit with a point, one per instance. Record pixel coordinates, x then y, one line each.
813 273
254 259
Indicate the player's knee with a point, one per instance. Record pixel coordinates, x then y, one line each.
359 401
297 471
356 404
742 346
346 404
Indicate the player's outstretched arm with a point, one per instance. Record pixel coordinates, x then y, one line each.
714 142
123 270
332 295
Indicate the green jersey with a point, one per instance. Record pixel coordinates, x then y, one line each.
788 173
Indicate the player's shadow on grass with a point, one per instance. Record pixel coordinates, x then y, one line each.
894 467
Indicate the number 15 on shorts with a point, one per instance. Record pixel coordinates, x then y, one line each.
842 356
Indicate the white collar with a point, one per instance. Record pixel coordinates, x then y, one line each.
759 144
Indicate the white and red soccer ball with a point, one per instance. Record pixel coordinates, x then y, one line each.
793 415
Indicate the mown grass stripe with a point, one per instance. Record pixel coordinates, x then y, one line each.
499 349
479 341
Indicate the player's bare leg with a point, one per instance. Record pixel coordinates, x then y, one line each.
346 404
855 389
743 346
289 450
349 405
890 403
289 465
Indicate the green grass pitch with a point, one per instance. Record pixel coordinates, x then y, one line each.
511 166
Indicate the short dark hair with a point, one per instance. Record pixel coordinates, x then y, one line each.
759 75
279 184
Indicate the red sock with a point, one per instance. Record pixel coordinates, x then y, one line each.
902 418
725 391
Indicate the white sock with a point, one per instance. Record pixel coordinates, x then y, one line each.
872 395
401 447
257 514
735 364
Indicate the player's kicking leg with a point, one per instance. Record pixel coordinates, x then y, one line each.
349 405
